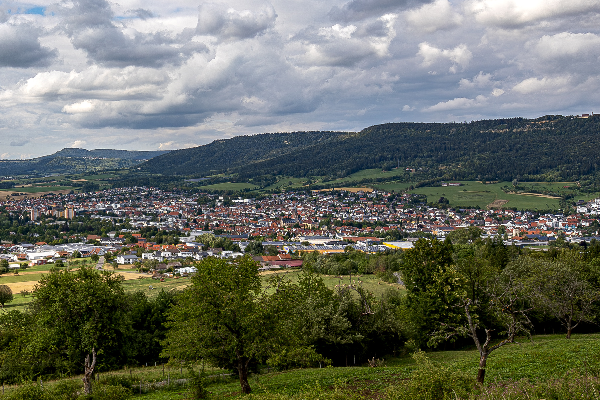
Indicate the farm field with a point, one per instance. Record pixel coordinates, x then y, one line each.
286 182
26 280
37 189
477 194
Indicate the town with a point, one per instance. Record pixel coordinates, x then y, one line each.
290 223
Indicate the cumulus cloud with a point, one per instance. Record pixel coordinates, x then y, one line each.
356 10
517 13
479 81
85 106
550 85
106 83
459 103
347 45
569 45
460 56
20 47
89 24
230 24
78 144
434 16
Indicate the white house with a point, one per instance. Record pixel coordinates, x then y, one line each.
127 259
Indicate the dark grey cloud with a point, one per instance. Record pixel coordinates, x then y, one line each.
90 26
142 13
20 47
356 10
228 24
19 142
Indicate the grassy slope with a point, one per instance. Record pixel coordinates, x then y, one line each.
543 360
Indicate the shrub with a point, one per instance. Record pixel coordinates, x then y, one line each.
197 386
107 392
31 391
300 357
125 381
65 390
432 381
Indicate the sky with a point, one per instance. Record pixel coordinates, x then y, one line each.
164 75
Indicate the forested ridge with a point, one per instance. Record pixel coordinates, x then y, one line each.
546 148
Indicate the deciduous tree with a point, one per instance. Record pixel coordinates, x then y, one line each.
224 317
6 295
78 314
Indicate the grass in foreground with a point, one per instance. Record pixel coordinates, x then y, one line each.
550 367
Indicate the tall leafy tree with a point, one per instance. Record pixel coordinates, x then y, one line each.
78 316
563 289
433 285
225 318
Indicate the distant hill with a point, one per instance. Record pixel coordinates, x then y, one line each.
75 160
546 148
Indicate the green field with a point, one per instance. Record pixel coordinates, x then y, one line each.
477 194
286 182
393 186
37 189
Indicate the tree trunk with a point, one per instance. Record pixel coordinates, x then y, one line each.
569 330
89 370
243 373
481 373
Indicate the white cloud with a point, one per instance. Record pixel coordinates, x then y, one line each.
433 17
459 103
78 144
497 92
168 146
479 81
459 56
517 13
567 44
407 108
85 106
227 23
338 31
345 46
543 85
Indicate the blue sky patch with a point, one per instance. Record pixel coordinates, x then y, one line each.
36 10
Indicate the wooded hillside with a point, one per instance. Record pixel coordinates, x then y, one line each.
546 148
